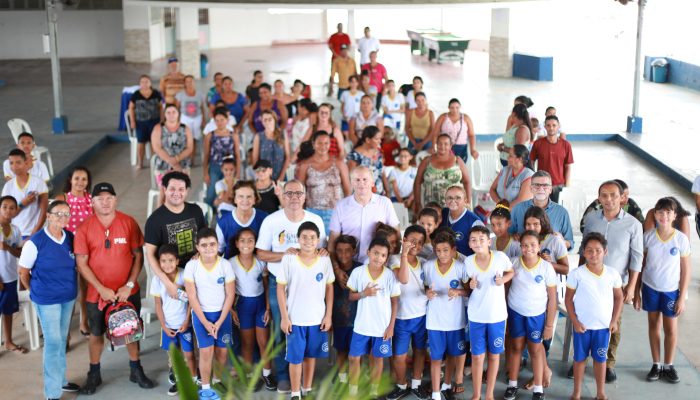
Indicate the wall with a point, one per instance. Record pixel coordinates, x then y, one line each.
80 34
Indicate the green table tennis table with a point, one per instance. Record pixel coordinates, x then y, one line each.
416 36
445 47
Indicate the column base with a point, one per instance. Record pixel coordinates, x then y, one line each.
59 126
634 124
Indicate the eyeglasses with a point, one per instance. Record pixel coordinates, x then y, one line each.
61 214
294 194
450 198
541 185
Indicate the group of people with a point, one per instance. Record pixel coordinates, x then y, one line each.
317 259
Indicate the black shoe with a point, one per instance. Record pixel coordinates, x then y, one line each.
670 374
610 375
94 379
171 376
654 374
421 393
398 393
570 373
447 394
172 391
269 382
511 393
137 376
538 396
70 387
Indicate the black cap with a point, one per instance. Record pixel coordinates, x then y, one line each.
262 164
172 60
103 187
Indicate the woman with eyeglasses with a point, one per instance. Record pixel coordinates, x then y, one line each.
47 269
513 182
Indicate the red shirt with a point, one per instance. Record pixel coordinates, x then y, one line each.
389 151
110 265
376 75
552 158
336 40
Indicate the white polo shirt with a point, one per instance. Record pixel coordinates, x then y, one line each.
306 288
512 248
594 299
487 303
174 310
373 312
27 217
249 282
8 262
662 271
445 314
528 288
413 301
210 282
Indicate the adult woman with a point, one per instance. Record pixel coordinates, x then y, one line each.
325 177
411 95
518 133
271 145
367 116
460 128
145 112
513 182
251 91
192 107
439 172
326 123
235 102
368 152
522 99
266 103
301 127
219 144
47 269
419 124
245 215
289 100
172 144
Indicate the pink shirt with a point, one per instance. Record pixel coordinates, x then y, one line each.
377 74
80 210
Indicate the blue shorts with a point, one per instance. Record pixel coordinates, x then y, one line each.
593 342
344 126
342 337
182 340
251 311
306 342
407 329
144 129
223 336
9 300
655 301
530 327
361 345
485 337
451 342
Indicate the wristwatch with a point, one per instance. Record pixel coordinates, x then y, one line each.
130 285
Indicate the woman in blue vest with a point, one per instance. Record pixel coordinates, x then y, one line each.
47 269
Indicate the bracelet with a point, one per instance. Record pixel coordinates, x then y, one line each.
362 294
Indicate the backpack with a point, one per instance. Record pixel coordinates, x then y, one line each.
123 324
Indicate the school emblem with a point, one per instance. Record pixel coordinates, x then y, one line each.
674 251
422 276
260 278
226 338
461 346
602 352
671 305
498 342
539 278
324 347
384 349
187 337
535 335
459 236
319 276
454 284
220 281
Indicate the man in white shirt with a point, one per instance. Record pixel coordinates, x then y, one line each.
366 45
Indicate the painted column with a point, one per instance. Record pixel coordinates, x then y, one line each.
137 33
187 40
500 44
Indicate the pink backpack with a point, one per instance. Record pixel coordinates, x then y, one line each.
123 324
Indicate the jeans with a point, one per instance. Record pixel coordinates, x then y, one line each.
281 365
461 151
55 320
325 216
215 175
556 190
413 150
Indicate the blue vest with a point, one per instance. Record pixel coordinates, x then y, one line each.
462 227
54 277
229 227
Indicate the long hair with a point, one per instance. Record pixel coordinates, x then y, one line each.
277 134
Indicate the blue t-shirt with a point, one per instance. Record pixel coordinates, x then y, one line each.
228 225
236 109
462 226
558 218
54 276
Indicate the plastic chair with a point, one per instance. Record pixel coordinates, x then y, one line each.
154 190
483 171
575 202
402 213
207 211
31 318
133 143
17 126
420 156
148 305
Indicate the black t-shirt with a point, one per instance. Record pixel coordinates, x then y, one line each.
147 109
269 201
164 226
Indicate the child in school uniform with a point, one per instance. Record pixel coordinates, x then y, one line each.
487 271
376 290
429 219
393 237
552 245
10 241
173 314
500 223
224 187
458 217
402 177
211 289
31 194
305 295
25 142
662 290
594 303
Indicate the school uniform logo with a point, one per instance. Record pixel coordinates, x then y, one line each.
422 276
454 284
539 278
319 276
324 347
671 305
187 337
674 251
461 346
602 352
535 335
498 342
384 349
459 236
226 338
220 281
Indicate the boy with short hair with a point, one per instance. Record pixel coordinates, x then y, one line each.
10 241
31 194
305 296
594 303
25 142
173 314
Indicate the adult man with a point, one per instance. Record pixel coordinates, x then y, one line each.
172 82
358 214
541 188
696 192
553 154
109 257
625 251
628 205
277 237
365 45
377 75
175 222
335 43
344 66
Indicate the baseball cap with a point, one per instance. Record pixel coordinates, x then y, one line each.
262 164
172 59
103 187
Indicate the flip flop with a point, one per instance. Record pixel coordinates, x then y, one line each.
18 349
84 333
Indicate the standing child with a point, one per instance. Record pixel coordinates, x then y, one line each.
393 105
377 292
350 102
402 177
10 240
390 146
487 272
31 194
25 142
211 288
663 287
393 237
429 219
500 223
224 187
594 304
305 295
173 314
552 245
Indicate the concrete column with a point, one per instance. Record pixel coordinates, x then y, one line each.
187 40
351 26
137 34
500 44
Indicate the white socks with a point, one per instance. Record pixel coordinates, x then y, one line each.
343 377
266 372
415 383
445 386
538 389
512 383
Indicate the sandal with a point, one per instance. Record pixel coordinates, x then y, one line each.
18 349
458 388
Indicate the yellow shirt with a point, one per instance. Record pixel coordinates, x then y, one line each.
345 68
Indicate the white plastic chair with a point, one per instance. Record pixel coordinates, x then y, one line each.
154 190
483 171
133 143
207 211
148 305
31 318
575 202
402 213
17 126
421 155
561 307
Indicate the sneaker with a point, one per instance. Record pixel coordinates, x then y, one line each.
398 393
570 373
511 393
70 387
654 374
670 374
538 396
137 376
447 394
172 391
171 376
610 375
421 393
284 387
94 379
269 382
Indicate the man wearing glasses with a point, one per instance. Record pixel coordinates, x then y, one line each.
277 237
109 257
541 188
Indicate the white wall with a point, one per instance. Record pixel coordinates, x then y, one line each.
80 34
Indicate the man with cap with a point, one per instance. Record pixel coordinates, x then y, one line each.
270 193
335 43
173 82
344 66
108 250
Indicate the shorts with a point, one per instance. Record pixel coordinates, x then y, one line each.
182 341
461 151
344 126
361 345
306 342
593 342
487 337
451 342
655 301
530 327
407 329
144 129
9 300
195 125
96 317
251 311
223 336
342 337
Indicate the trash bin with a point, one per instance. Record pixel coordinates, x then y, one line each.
659 70
203 65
